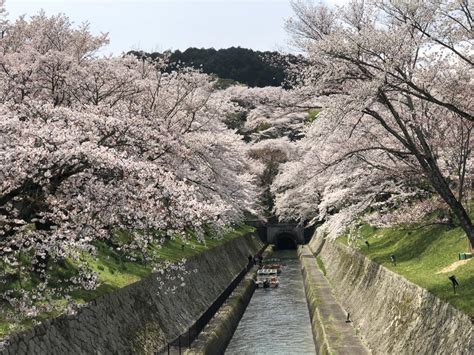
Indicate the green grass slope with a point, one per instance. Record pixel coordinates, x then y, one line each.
422 253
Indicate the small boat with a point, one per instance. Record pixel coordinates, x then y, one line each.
272 263
267 278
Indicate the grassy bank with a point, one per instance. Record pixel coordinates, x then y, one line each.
114 271
421 255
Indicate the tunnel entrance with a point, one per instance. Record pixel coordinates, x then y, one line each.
285 241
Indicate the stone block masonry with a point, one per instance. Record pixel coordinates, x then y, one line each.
393 315
140 318
215 337
332 334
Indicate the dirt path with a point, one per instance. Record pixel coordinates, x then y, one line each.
453 266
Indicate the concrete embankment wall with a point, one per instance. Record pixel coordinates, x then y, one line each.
393 315
142 317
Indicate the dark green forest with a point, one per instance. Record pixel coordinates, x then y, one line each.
235 64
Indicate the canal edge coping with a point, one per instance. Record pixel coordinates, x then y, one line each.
332 334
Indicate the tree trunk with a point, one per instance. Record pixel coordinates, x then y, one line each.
441 186
460 212
464 221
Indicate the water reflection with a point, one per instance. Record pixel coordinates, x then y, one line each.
276 320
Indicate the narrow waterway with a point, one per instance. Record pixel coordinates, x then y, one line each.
277 320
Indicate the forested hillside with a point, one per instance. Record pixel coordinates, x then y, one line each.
246 66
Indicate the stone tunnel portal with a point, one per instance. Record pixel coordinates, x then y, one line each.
285 233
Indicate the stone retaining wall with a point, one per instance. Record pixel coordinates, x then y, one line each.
140 318
332 333
215 337
393 315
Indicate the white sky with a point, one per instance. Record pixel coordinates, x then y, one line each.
157 25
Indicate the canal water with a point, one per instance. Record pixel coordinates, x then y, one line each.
276 320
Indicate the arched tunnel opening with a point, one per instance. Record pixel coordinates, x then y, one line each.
285 241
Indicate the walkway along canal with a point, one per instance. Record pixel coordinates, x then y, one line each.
276 320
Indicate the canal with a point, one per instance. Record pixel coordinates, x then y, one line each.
276 321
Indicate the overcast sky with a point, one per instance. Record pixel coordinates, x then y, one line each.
157 25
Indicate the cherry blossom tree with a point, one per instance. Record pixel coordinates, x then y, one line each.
273 112
330 181
91 146
273 118
396 78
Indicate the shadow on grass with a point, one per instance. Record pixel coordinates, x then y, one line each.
406 245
